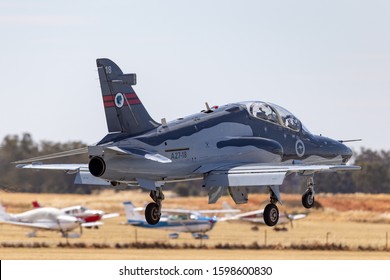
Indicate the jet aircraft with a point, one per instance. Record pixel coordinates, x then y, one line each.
233 147
177 220
45 218
85 214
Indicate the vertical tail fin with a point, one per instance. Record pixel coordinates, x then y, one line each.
4 216
226 206
35 204
131 213
124 111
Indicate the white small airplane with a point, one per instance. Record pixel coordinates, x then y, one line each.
177 220
85 214
256 217
45 218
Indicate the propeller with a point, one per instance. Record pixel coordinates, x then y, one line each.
65 223
293 217
80 222
289 217
213 220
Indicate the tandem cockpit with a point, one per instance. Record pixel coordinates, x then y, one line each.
275 114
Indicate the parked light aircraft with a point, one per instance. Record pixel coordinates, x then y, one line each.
45 218
176 220
256 217
233 146
85 214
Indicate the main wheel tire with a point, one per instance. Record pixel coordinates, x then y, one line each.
271 214
308 199
152 213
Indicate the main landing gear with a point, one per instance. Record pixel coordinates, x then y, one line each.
271 214
153 209
271 211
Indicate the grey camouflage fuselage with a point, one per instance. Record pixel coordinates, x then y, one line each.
150 154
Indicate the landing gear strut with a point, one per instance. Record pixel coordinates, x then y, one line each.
271 211
153 209
308 195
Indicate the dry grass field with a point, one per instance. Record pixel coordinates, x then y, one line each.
354 226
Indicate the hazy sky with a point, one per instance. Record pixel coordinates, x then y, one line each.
328 62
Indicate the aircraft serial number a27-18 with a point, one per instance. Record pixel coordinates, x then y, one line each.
234 146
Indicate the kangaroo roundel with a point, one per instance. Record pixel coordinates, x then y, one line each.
119 100
300 148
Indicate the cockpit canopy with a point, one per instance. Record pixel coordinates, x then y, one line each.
275 114
76 210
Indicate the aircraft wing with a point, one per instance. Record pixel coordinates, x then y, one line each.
259 220
29 225
110 215
256 217
92 224
222 211
199 212
263 174
188 211
296 216
253 216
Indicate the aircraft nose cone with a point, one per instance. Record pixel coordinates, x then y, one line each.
336 149
213 221
346 153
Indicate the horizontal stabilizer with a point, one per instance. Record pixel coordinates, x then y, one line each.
67 167
74 152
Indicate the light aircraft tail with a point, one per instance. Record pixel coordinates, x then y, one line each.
35 204
131 213
124 111
226 206
4 216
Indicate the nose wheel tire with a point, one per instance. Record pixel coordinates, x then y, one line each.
152 213
308 199
271 214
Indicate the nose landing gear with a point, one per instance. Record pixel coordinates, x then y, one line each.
308 196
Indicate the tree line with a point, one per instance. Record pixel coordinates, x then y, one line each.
373 178
14 148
